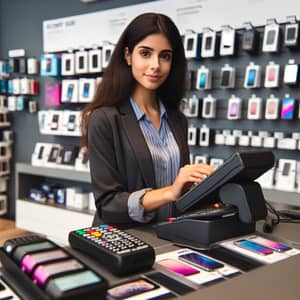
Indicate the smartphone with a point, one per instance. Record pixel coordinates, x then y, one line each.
177 267
54 123
81 62
225 78
41 151
48 64
288 108
190 44
270 244
70 91
95 60
86 89
253 108
286 169
201 261
251 77
29 261
202 80
68 65
271 74
208 43
271 37
233 112
71 123
131 288
43 272
254 247
107 55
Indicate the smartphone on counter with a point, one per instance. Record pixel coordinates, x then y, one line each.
177 267
270 244
201 261
254 247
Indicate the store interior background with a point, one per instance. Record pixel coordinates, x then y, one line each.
21 27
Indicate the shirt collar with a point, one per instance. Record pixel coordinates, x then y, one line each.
140 114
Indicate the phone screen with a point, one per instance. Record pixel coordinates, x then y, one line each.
271 37
225 78
271 107
81 62
251 77
252 246
271 74
287 110
208 107
201 261
131 288
253 108
291 33
86 88
177 267
208 43
202 80
271 244
70 91
95 61
286 169
41 151
68 65
190 43
107 55
43 272
233 109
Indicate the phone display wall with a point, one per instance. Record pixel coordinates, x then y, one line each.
260 110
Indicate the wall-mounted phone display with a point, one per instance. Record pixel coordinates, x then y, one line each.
69 92
209 105
193 104
204 78
291 73
286 174
228 41
271 36
291 32
234 108
81 62
227 77
87 88
209 43
192 44
204 136
192 136
288 108
252 76
254 108
95 61
107 51
250 38
272 108
272 75
67 64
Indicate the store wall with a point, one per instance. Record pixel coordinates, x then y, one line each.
21 27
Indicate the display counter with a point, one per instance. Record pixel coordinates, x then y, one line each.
275 281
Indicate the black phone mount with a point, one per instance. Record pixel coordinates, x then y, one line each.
249 200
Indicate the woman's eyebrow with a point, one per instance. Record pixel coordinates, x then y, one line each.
152 49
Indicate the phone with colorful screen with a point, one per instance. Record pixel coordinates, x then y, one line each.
270 244
176 266
254 247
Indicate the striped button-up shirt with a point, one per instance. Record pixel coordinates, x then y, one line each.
165 157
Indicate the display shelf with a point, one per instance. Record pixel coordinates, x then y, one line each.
58 173
50 220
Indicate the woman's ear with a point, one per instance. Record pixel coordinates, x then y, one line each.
127 56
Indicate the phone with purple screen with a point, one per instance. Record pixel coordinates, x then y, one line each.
254 247
270 244
204 262
177 267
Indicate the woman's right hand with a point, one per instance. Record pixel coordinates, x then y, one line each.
188 176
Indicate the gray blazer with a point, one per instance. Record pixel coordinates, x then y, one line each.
121 163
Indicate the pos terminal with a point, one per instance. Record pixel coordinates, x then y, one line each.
242 200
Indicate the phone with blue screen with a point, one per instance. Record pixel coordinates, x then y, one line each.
251 77
254 247
202 80
270 244
201 261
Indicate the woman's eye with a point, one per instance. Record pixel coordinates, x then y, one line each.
145 53
166 56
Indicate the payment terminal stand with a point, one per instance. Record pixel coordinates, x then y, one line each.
233 184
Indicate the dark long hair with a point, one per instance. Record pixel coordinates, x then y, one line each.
118 82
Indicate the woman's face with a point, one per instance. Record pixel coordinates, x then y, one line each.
150 61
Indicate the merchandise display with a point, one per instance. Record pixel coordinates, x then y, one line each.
192 44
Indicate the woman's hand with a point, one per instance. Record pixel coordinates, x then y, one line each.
188 176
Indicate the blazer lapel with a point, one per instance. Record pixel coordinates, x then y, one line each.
138 143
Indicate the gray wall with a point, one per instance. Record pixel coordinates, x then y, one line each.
21 27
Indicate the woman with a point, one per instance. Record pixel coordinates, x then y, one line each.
135 133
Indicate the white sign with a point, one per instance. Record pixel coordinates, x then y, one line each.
92 29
